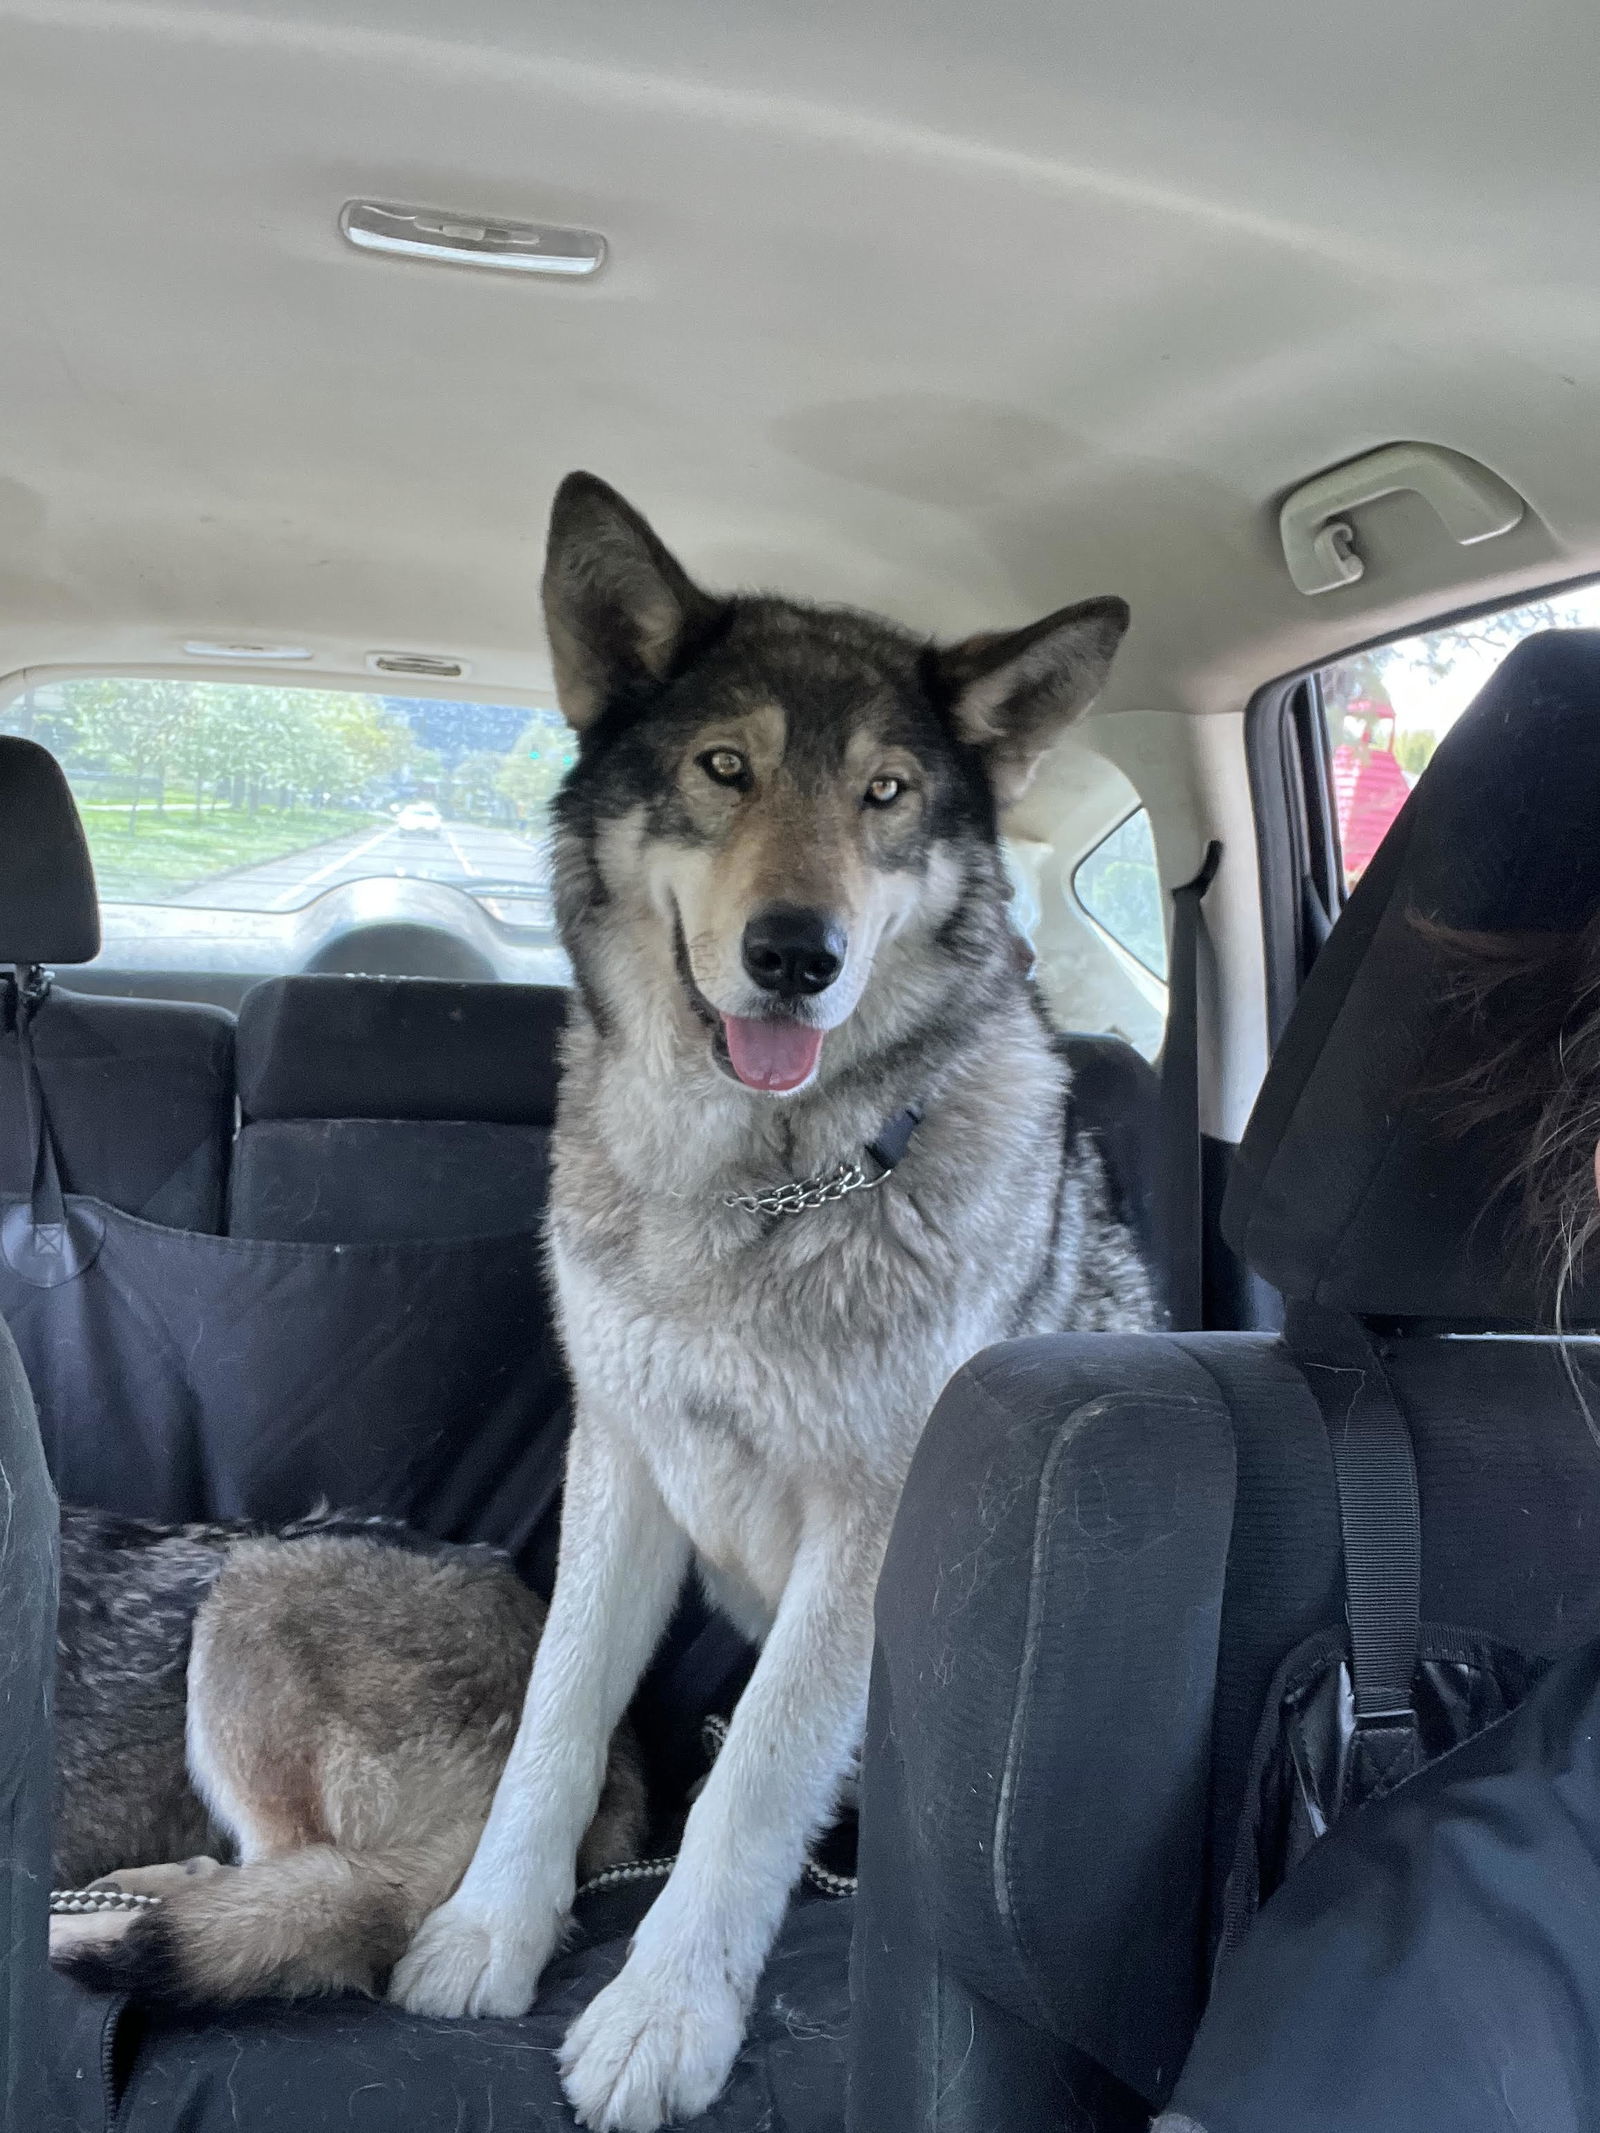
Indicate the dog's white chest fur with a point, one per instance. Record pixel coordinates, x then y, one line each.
745 1406
770 1370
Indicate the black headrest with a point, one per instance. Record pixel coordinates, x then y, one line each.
345 1047
1352 1187
49 912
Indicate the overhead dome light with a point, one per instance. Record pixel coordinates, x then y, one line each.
471 240
263 654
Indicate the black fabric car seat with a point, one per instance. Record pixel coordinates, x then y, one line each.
381 1110
27 1660
1116 1103
388 1109
375 1107
1109 1548
375 1329
139 1092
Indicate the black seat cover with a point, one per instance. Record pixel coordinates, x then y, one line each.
416 1048
376 1329
27 1656
388 1109
140 1097
139 1092
1108 1547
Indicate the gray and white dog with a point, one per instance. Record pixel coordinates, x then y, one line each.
327 1704
780 885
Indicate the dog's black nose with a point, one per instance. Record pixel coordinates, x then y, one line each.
789 951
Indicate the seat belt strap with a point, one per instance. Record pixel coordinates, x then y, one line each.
1375 1472
1182 1201
45 1240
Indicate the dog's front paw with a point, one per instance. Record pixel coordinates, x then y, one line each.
657 2044
467 1960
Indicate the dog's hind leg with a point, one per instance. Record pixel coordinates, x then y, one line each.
622 1560
348 1829
658 2043
344 1844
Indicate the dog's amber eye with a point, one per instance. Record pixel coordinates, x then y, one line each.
883 792
726 765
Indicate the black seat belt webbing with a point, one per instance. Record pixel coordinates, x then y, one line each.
1181 1186
1376 1476
44 1239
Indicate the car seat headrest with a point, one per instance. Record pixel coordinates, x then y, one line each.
417 1048
49 912
1353 1188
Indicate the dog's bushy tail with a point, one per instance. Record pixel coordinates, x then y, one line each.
316 1920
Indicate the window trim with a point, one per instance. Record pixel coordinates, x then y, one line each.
1297 835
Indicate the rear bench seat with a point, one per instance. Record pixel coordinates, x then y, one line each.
385 1110
381 1110
387 1115
139 1092
388 1109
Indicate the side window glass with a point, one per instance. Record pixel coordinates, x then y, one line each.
1119 885
1387 709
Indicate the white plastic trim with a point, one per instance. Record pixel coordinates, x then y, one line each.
1319 543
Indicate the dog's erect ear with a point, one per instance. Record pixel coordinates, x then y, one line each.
1012 694
617 606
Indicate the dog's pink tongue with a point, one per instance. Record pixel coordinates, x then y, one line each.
771 1055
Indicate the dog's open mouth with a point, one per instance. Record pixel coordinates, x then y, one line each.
773 1053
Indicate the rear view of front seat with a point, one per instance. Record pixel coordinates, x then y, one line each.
139 1092
1118 1564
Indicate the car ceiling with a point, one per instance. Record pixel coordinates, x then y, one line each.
960 312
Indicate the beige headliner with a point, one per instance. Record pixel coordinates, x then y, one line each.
957 310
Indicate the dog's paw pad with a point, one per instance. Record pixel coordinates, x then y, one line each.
464 1963
647 2050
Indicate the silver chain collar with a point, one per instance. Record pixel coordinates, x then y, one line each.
797 1196
800 1194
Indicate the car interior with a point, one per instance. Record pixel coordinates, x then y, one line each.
1279 324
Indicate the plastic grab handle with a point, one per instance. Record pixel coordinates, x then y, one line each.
1319 548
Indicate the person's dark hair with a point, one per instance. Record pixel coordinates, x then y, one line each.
1530 1005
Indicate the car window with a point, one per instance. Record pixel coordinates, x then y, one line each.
1387 709
218 812
1119 885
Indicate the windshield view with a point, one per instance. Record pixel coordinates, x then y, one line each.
230 796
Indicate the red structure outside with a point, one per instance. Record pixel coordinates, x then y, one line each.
1369 786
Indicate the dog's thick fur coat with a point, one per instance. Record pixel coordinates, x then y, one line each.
755 774
330 1706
